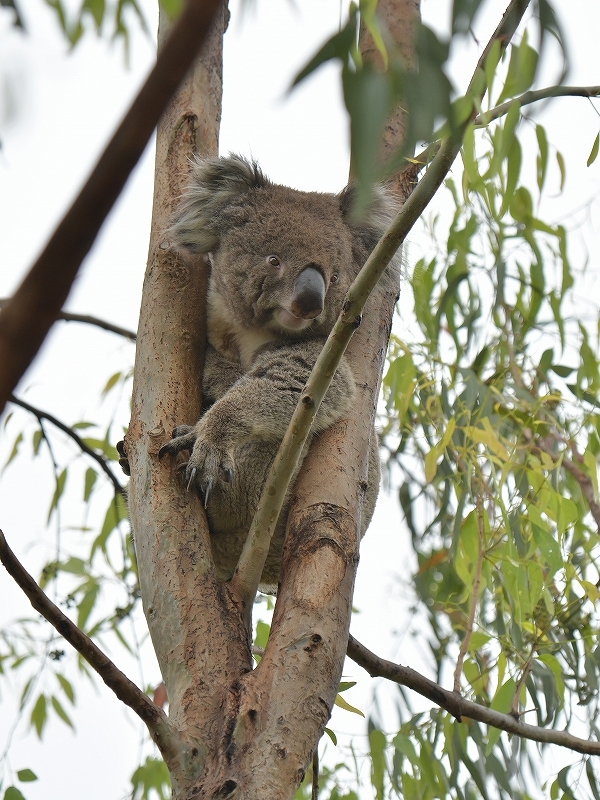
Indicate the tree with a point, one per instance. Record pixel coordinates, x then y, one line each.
484 410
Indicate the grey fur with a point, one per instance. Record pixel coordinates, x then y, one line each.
261 236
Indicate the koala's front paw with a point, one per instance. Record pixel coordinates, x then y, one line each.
209 464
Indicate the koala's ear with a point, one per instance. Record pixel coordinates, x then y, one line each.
372 223
214 184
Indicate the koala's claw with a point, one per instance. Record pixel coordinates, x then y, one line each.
192 478
205 488
184 437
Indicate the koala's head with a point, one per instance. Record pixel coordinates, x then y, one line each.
281 259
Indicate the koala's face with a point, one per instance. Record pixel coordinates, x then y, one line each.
284 261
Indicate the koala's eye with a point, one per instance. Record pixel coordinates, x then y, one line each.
334 278
273 261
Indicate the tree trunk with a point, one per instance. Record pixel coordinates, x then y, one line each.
238 730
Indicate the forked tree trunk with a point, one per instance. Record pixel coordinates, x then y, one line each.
238 731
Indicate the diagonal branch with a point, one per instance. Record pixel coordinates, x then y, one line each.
155 719
27 317
459 707
67 316
247 575
76 438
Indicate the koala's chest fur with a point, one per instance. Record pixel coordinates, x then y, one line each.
233 341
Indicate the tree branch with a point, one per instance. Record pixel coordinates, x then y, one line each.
532 97
71 433
155 719
67 316
252 559
28 316
459 707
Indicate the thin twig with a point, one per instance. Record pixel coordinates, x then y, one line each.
244 583
29 314
461 708
67 316
100 460
533 97
315 775
474 597
514 706
124 689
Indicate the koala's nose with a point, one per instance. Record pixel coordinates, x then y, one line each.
309 294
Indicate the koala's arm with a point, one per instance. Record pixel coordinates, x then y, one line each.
219 375
261 403
258 407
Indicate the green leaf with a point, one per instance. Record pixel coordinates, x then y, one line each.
377 743
338 46
60 487
152 775
262 634
56 705
341 703
110 383
38 437
331 735
12 793
86 605
39 715
370 20
90 479
26 775
96 8
594 151
66 687
561 166
14 451
345 685
116 511
521 70
368 100
542 159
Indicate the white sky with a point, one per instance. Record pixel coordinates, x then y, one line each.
65 108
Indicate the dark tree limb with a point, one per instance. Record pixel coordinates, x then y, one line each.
27 317
100 460
124 689
67 316
461 708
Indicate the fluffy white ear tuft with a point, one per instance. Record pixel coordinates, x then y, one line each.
214 184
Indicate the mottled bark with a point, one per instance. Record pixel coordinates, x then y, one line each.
198 636
399 20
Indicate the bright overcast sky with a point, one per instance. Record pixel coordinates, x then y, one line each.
65 106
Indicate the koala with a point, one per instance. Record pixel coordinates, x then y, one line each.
281 263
